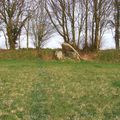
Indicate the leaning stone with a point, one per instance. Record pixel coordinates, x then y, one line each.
68 49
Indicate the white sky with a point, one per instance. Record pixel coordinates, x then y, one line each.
56 40
108 41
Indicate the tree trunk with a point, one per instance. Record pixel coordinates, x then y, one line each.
11 40
39 42
117 37
10 34
117 24
93 26
12 45
73 23
19 42
97 37
97 17
86 26
27 40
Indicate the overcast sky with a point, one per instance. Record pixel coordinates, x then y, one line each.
56 41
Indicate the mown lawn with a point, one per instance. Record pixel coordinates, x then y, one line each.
39 90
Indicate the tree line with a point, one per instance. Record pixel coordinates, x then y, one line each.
81 23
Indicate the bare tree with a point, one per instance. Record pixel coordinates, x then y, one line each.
86 4
41 27
13 15
72 19
67 18
99 17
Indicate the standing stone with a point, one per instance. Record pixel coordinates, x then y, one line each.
59 55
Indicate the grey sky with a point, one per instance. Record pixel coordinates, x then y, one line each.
56 40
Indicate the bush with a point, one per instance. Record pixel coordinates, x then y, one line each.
109 56
46 54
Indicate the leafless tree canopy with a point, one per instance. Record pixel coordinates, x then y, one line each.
13 15
79 22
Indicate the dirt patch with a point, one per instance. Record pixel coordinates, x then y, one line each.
88 56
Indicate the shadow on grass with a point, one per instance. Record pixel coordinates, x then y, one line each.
55 106
116 84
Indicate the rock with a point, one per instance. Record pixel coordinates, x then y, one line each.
66 48
72 55
70 51
59 55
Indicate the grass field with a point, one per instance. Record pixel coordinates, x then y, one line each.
54 90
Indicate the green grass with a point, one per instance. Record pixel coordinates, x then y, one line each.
54 90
